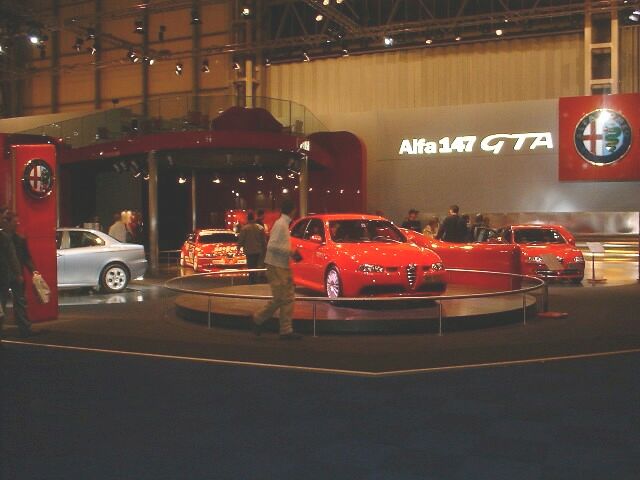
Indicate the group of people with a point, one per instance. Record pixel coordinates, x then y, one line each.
454 228
15 258
126 226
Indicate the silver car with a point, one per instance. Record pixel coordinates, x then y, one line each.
90 258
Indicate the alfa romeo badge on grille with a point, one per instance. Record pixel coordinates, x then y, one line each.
38 178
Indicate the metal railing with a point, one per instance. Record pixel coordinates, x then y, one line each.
173 114
537 284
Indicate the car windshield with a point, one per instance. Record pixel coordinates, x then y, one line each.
355 231
219 238
537 235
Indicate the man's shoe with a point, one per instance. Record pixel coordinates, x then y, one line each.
290 336
257 327
29 334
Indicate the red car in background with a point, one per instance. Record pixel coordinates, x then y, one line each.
520 249
211 248
544 243
352 255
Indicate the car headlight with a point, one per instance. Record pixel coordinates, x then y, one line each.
437 266
578 259
534 260
371 268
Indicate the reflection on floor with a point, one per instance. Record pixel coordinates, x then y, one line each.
86 296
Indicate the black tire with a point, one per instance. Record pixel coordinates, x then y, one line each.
114 278
576 281
333 283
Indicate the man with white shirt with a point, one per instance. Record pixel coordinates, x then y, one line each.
277 261
118 229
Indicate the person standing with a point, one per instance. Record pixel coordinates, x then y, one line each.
432 227
453 228
278 263
18 256
412 222
118 228
253 241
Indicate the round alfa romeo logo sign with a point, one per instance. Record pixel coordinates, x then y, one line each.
37 179
603 137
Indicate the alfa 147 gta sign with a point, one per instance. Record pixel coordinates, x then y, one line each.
495 144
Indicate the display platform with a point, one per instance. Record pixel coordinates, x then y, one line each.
410 316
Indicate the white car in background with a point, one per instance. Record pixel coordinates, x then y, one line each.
90 258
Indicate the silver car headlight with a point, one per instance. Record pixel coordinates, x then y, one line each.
437 267
578 259
371 268
534 260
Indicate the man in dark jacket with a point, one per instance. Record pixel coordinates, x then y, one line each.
17 258
453 228
253 241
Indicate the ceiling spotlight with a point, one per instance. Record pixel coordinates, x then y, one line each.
150 60
635 16
179 69
216 179
285 190
34 39
499 32
182 180
388 41
311 189
267 62
339 1
278 176
345 52
305 57
78 45
260 178
326 2
93 49
458 37
428 41
242 180
341 191
91 33
236 66
139 27
205 66
2 50
195 17
246 11
319 17
292 175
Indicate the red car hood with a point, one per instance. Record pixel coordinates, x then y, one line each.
387 254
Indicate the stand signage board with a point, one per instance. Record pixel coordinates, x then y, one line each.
34 200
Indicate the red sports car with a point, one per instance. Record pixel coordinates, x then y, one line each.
208 249
351 255
546 251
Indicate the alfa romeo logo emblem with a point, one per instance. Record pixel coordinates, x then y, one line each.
603 137
37 179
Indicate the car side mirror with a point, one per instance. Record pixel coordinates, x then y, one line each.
316 238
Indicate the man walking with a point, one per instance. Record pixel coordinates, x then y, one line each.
15 255
253 241
277 261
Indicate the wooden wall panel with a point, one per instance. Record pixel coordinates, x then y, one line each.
500 71
630 60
